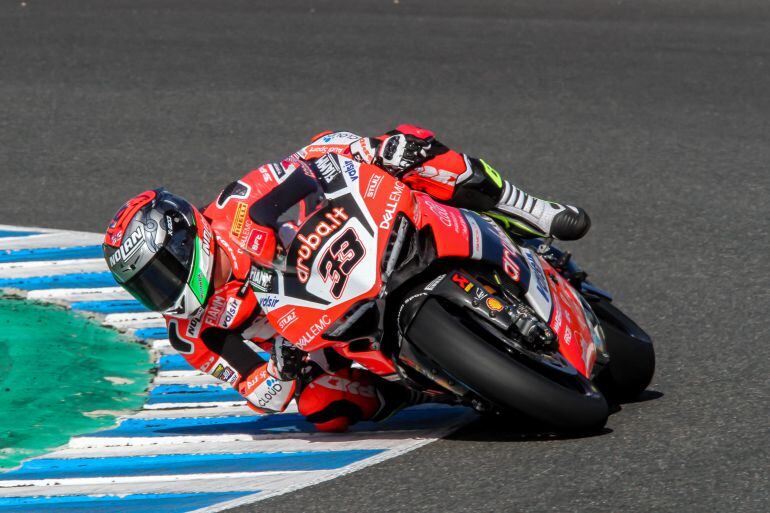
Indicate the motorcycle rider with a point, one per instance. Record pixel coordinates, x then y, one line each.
200 268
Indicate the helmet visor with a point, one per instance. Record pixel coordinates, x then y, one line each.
160 283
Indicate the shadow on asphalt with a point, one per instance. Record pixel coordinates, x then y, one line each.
647 395
518 428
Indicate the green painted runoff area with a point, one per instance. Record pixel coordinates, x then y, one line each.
61 374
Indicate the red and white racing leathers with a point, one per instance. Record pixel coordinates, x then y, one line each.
226 335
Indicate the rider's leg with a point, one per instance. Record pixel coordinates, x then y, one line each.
471 183
334 401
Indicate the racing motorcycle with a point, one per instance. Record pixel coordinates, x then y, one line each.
447 302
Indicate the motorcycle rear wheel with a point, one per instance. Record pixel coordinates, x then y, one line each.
632 356
570 404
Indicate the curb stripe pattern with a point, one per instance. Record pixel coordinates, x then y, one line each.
194 446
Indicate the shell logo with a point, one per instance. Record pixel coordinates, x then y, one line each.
494 304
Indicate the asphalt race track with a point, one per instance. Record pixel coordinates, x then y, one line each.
652 115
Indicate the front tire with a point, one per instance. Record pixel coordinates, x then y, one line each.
569 403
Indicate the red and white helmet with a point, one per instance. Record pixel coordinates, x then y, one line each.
161 250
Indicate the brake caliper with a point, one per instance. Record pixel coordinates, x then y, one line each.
534 333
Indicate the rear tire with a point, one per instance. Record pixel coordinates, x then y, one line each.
573 405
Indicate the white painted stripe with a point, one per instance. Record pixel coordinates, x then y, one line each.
124 322
82 442
11 228
161 345
51 267
184 377
280 442
219 411
300 482
72 295
51 240
59 481
183 486
136 320
185 374
120 489
117 318
175 406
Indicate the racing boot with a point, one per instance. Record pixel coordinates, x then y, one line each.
539 217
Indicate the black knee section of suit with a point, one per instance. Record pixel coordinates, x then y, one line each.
480 191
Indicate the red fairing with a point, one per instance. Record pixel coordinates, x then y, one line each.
569 323
449 227
117 227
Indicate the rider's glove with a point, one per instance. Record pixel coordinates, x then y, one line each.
286 359
399 153
365 149
265 391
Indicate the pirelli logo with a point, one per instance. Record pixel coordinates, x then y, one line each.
239 220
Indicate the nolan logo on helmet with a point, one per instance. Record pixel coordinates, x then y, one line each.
130 245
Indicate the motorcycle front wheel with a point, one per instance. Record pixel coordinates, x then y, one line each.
565 400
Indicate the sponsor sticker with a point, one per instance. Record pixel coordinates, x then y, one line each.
339 137
351 170
231 311
214 310
462 282
328 168
267 392
432 285
261 280
312 241
542 284
278 171
257 240
345 385
391 205
510 266
287 319
476 244
373 186
206 241
207 364
441 212
494 304
194 325
239 220
130 245
480 293
438 175
228 374
269 302
218 370
317 328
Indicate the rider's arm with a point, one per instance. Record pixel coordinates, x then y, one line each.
271 386
248 209
426 165
226 356
463 181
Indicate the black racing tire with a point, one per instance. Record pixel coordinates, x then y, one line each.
632 355
498 377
